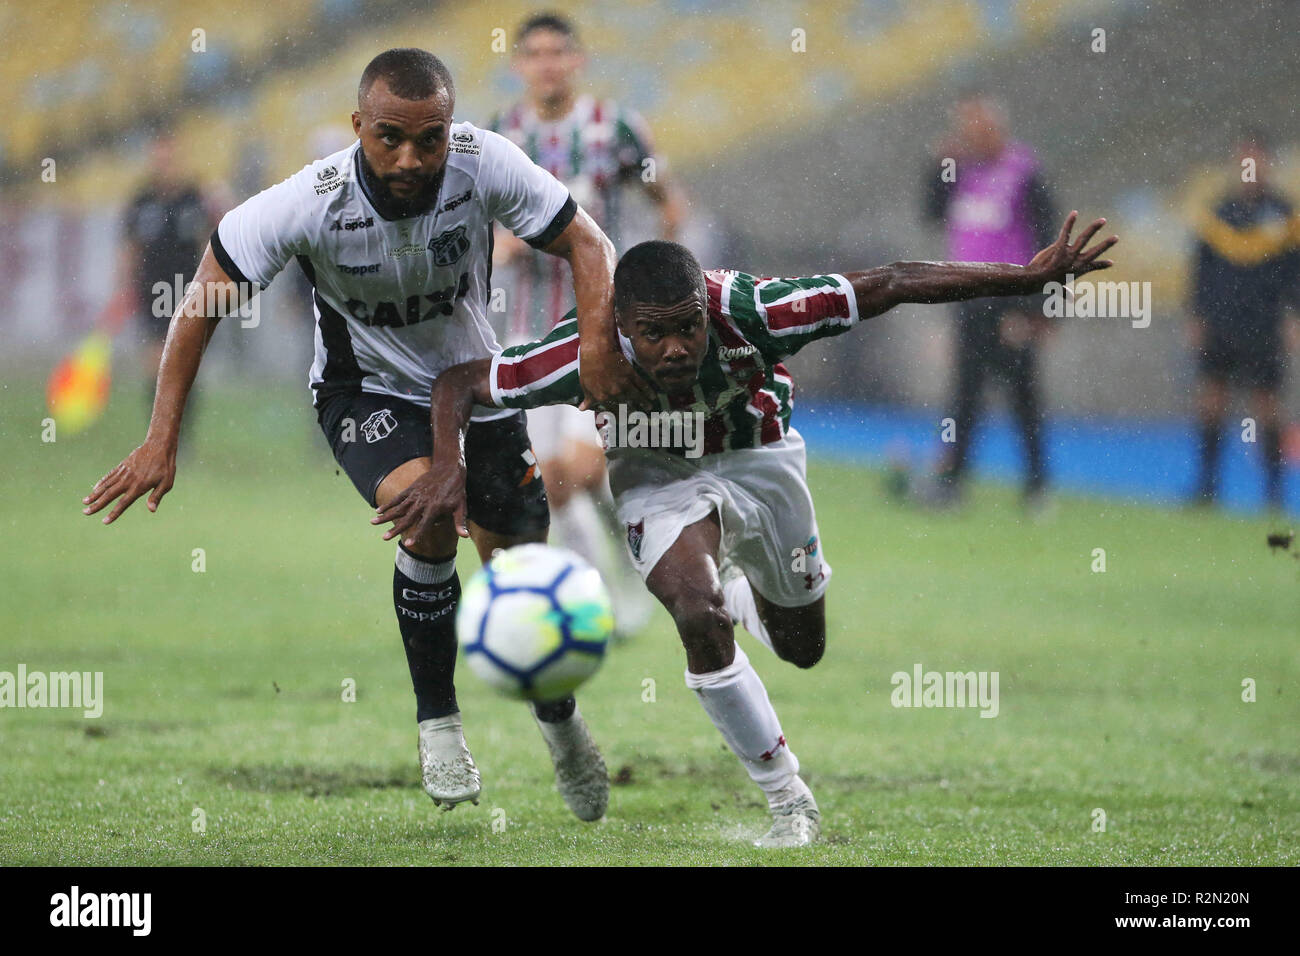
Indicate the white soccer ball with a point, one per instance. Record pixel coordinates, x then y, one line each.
534 622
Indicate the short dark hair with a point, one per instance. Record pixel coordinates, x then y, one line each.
547 21
410 73
657 272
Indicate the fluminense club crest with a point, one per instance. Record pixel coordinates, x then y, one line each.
635 535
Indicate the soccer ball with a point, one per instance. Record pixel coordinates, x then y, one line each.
534 622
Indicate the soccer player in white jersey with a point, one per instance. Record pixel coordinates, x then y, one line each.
394 233
719 518
598 149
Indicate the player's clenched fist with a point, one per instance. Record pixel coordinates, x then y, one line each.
152 466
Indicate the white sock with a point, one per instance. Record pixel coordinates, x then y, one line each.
737 703
738 596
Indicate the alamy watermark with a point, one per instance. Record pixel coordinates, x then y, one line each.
129 910
231 299
76 689
922 688
637 429
1087 299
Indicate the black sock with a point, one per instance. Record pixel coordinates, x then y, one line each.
1272 450
554 711
425 593
1208 485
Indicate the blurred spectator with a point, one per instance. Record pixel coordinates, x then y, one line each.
1246 271
988 190
164 232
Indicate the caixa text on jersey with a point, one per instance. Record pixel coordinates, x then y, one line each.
417 308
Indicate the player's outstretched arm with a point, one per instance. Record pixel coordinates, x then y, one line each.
439 493
607 377
879 290
152 466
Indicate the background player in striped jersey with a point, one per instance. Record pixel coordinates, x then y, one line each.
730 536
394 233
598 149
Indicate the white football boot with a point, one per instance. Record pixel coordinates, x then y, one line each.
446 766
580 773
796 821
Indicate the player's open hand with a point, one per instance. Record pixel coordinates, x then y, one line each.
431 499
608 379
151 467
1064 258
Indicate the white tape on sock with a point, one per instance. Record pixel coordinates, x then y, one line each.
423 571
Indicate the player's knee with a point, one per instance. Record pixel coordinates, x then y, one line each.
701 616
798 634
588 472
434 541
559 485
803 653
801 647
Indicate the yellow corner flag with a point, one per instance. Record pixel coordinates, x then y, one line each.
78 388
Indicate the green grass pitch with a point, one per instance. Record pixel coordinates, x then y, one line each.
1119 691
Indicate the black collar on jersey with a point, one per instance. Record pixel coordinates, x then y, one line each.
388 207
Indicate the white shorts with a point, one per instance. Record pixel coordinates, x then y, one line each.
769 528
552 428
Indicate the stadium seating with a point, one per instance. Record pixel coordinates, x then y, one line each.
704 68
836 130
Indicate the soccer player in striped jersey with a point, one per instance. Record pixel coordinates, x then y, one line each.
723 527
395 232
599 150
595 146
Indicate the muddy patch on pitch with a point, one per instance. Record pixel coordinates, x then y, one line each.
313 781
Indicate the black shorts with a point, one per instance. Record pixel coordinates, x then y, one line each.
1246 367
503 489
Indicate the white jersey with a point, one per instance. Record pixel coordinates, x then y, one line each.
397 301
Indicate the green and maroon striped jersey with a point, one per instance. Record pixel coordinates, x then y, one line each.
596 149
743 388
